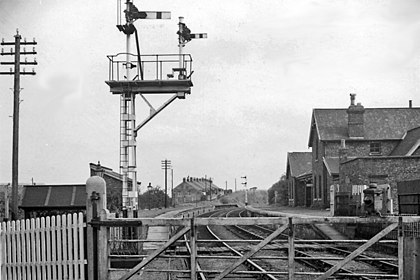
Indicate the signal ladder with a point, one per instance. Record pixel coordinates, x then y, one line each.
128 147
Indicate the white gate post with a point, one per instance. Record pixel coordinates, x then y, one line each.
95 203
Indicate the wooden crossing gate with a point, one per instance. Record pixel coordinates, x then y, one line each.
43 248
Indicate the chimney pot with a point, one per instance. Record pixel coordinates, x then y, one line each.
343 144
352 98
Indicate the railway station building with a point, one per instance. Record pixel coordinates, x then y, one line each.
299 178
357 146
193 190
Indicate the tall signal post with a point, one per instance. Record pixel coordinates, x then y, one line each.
246 190
17 52
135 74
166 164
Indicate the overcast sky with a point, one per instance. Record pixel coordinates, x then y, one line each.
264 67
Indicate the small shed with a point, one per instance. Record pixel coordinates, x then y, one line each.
409 197
48 200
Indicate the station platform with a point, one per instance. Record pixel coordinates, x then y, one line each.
159 232
324 230
298 211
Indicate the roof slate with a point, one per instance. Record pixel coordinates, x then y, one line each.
379 123
332 164
54 196
198 185
300 163
408 144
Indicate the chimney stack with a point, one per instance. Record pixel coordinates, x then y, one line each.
342 151
410 104
355 116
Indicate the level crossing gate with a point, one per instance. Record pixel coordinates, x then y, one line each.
43 248
100 222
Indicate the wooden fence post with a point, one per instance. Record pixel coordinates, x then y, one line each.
95 203
291 249
193 245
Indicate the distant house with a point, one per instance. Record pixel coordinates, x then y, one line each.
358 146
299 178
193 190
48 200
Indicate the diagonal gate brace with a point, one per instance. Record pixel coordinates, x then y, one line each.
254 250
357 252
156 253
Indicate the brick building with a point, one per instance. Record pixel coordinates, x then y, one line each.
299 178
193 190
113 182
378 145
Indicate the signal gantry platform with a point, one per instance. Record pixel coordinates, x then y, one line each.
161 73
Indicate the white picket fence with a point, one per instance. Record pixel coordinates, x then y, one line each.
43 248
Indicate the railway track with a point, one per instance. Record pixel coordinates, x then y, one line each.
321 257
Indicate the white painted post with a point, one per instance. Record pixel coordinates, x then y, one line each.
64 246
81 247
9 251
38 247
54 246
43 249
95 202
75 247
59 251
13 263
18 250
32 248
1 252
48 241
23 250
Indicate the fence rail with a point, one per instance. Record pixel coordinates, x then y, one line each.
43 248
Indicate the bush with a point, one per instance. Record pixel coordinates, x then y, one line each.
282 192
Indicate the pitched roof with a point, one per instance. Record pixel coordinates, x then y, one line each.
332 164
300 163
54 196
409 144
379 123
199 184
98 168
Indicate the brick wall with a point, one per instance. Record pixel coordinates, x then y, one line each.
362 171
359 148
300 187
317 170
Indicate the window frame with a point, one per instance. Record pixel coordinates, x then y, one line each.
375 148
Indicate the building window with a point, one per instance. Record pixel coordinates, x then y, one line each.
375 148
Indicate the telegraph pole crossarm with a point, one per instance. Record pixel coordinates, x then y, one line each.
17 52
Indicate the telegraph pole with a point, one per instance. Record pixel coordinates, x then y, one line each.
16 102
172 187
166 164
210 186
